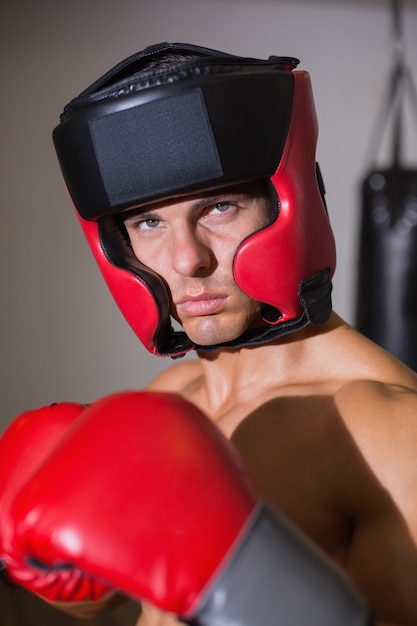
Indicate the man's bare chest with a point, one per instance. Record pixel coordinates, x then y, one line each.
305 463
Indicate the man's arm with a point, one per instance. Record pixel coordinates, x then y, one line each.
382 562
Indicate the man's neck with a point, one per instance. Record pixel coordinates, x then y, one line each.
229 375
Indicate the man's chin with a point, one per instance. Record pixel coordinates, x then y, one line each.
208 336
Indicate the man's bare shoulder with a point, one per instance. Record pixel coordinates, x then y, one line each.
178 378
379 392
376 403
381 418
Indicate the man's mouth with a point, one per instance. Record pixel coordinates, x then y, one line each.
202 304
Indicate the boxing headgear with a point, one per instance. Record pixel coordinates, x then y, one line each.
138 136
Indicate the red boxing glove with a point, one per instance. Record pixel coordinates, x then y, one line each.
24 446
145 493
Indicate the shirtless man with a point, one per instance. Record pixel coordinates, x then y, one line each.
324 419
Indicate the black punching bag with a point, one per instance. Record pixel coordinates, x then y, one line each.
386 299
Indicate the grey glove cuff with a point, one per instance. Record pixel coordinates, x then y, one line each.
277 577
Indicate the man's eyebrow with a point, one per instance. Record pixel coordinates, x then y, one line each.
199 203
219 197
135 213
207 200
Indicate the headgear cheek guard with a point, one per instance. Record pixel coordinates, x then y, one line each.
138 136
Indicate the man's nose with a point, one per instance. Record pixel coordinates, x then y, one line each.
190 253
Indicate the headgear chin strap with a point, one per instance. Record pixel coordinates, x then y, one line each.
136 137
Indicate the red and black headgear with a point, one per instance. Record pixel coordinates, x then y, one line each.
139 136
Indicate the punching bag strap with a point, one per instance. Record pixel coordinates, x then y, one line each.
391 112
397 97
397 80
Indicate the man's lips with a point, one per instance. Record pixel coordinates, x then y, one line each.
204 304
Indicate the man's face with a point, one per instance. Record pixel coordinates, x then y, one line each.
190 244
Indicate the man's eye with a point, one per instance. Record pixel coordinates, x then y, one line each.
221 207
149 223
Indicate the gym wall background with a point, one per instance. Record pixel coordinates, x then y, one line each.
62 337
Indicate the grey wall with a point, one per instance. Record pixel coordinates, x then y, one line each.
62 337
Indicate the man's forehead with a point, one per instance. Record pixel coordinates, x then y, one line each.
247 188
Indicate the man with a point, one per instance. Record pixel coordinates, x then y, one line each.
195 182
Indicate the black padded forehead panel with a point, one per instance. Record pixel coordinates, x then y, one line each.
146 148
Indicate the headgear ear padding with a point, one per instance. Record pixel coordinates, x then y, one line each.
126 287
140 135
270 264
